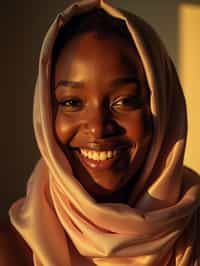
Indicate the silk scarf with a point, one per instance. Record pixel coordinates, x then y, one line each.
64 226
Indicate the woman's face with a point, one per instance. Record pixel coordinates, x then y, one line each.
102 122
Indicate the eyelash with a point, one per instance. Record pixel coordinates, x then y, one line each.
131 102
71 104
127 102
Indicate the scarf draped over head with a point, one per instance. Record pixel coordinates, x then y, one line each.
65 226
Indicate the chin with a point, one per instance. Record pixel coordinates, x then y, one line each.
111 184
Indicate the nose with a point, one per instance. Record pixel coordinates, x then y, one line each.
100 124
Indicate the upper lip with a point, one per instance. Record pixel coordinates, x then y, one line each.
96 146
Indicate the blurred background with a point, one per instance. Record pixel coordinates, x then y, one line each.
23 25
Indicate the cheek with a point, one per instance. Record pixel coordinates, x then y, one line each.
135 126
65 127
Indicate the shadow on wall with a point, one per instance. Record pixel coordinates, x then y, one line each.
23 33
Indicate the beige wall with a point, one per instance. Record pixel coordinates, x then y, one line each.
23 26
189 68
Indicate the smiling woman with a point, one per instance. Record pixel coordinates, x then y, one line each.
104 105
110 122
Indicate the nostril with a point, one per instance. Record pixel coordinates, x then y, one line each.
113 129
103 128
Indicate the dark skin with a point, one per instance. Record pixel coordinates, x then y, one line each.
103 104
111 111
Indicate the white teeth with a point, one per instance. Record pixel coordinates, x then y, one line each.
98 155
109 154
90 154
95 156
103 156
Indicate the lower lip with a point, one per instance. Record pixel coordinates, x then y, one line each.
100 165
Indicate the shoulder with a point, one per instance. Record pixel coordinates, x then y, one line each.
13 249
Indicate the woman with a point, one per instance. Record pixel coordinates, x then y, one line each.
110 122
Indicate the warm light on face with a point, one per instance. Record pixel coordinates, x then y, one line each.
103 116
189 68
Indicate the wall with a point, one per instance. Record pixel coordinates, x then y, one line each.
24 25
189 68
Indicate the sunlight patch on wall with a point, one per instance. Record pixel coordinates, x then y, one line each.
189 70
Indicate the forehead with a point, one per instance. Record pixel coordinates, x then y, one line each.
88 55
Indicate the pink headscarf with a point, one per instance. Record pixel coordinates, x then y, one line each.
65 226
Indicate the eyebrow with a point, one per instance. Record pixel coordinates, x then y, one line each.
115 83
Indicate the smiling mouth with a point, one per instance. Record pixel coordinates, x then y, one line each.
99 155
101 160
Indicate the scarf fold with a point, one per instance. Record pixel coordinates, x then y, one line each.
65 226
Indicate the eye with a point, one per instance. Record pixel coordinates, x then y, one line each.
128 103
71 104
